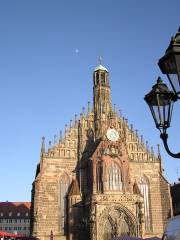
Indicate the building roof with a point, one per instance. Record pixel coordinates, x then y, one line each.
136 189
15 210
100 67
74 188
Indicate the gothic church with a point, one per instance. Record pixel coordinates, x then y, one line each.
99 180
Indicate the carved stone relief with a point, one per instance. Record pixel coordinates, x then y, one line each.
115 221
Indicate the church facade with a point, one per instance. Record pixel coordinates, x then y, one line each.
100 179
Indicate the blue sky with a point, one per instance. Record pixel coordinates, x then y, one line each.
48 50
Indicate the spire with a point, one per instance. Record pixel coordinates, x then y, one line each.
89 107
147 146
159 158
43 150
60 138
152 152
120 113
101 100
132 132
70 124
137 136
142 140
55 139
65 128
159 153
83 111
75 119
114 107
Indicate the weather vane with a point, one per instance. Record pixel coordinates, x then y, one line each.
100 60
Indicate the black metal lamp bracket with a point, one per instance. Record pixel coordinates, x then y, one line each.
164 137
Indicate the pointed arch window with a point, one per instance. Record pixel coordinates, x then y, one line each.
144 188
99 174
64 185
114 177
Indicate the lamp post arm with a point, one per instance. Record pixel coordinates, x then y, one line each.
164 137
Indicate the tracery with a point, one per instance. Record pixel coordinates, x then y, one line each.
114 177
144 188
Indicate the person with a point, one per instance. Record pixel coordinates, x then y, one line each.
172 230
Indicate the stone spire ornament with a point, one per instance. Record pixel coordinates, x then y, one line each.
55 139
60 137
89 107
43 149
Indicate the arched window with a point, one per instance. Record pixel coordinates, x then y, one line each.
99 173
64 185
114 177
144 188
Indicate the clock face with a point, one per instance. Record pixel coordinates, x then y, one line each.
112 134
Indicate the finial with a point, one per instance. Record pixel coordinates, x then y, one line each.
131 127
126 120
120 113
89 107
60 139
70 124
43 145
159 153
65 128
142 140
55 139
147 146
152 151
83 110
49 144
137 137
75 118
100 60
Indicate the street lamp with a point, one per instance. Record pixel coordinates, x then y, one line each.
170 63
160 99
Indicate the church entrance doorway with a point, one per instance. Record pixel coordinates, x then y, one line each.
115 221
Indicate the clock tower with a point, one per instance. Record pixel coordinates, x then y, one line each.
102 100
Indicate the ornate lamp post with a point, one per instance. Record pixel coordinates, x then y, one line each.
170 64
160 99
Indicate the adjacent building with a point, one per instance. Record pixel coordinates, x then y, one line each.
100 180
15 217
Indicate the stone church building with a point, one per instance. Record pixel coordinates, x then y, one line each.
99 180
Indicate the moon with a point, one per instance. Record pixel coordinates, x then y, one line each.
76 50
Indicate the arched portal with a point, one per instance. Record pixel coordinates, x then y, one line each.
116 221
